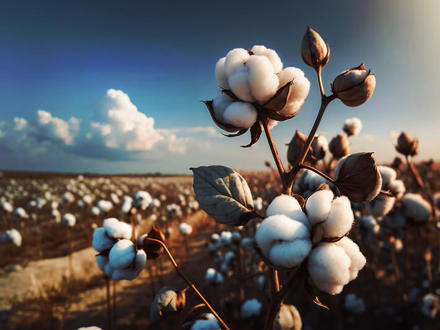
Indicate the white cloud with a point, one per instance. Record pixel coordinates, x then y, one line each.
49 128
122 126
20 123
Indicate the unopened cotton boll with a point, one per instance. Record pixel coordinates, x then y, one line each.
240 114
68 220
250 308
117 229
352 126
284 241
185 229
416 207
328 267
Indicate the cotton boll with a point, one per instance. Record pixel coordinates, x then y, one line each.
397 187
314 180
185 229
68 220
258 204
274 235
357 259
100 240
271 55
164 302
13 236
288 318
430 305
122 254
117 229
301 85
262 80
352 126
225 238
328 267
369 223
239 84
388 175
235 59
318 206
290 254
142 199
340 218
381 205
291 109
210 324
289 206
240 114
220 74
416 208
131 273
95 211
214 277
250 308
101 261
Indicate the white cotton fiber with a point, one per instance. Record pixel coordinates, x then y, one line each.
100 240
301 85
415 207
397 187
235 59
328 267
291 109
262 79
117 229
211 324
130 272
290 254
68 220
251 307
220 103
240 114
278 230
13 236
271 55
239 84
101 261
318 206
388 175
357 259
352 126
220 74
340 218
122 254
289 206
381 205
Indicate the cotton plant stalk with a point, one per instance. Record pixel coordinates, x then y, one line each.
254 93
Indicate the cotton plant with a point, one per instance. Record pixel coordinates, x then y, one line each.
305 235
118 255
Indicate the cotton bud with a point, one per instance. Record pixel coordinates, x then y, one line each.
358 177
355 86
296 145
167 301
319 147
406 145
288 318
352 126
354 304
250 308
339 146
314 51
416 208
68 220
153 249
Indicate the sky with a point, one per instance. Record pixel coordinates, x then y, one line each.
115 87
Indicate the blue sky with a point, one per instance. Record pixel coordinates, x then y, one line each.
63 57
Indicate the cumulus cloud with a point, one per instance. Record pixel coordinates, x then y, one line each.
118 131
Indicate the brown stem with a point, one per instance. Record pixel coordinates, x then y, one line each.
190 284
325 176
279 297
109 313
274 150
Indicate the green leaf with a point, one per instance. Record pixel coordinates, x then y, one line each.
224 194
